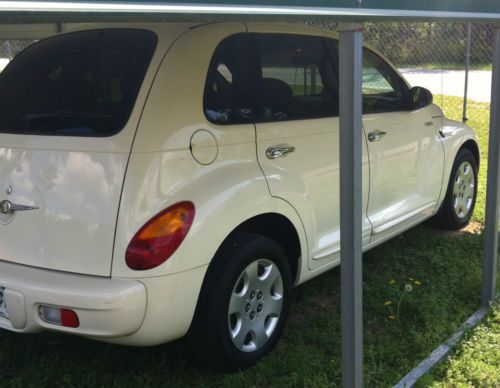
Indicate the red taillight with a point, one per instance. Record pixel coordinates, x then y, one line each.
160 237
69 318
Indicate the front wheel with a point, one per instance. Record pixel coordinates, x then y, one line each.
244 303
458 205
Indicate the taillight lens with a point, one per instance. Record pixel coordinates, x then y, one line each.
59 316
160 237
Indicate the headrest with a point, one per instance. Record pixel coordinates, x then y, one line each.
276 94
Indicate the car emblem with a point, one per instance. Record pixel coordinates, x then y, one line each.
7 207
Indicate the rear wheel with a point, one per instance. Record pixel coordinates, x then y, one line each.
244 303
458 205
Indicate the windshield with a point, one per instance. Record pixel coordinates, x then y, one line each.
79 84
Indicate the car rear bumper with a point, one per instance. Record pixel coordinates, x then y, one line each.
106 307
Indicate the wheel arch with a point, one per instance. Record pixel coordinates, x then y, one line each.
472 146
279 228
273 225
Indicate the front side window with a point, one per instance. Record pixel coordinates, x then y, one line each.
297 78
383 88
78 84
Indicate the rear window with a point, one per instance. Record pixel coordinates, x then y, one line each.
78 84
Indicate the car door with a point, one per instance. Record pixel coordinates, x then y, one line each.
404 147
298 136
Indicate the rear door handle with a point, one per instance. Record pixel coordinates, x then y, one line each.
279 151
376 135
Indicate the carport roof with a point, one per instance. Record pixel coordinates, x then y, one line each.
355 10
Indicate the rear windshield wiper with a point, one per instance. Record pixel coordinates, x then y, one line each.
63 115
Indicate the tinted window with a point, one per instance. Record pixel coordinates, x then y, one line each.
79 84
383 88
298 80
230 82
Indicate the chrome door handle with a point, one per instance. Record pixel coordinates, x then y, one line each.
279 151
376 135
7 207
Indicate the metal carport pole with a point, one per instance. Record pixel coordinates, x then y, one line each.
351 276
490 254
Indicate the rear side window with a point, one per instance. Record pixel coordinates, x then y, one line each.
230 82
298 80
78 84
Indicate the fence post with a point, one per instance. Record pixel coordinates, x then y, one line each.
490 253
467 66
351 132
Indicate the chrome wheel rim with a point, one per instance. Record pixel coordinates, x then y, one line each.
463 190
255 305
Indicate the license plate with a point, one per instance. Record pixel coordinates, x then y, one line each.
3 307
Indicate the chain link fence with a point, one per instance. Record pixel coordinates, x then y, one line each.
439 56
10 48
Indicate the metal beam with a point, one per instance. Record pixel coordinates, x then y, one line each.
27 31
88 11
350 57
467 66
490 255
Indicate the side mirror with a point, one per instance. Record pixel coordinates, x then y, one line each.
420 97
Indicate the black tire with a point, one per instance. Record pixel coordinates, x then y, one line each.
447 217
210 337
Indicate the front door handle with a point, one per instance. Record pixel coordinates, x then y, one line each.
376 135
279 151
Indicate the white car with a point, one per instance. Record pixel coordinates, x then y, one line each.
159 180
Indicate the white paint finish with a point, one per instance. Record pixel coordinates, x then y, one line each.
105 307
406 165
309 178
174 110
162 170
171 305
204 147
227 192
78 195
455 135
76 182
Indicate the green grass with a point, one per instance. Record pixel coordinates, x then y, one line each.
443 268
475 362
447 266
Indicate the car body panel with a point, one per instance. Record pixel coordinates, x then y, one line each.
163 171
308 179
406 166
163 168
76 182
105 307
